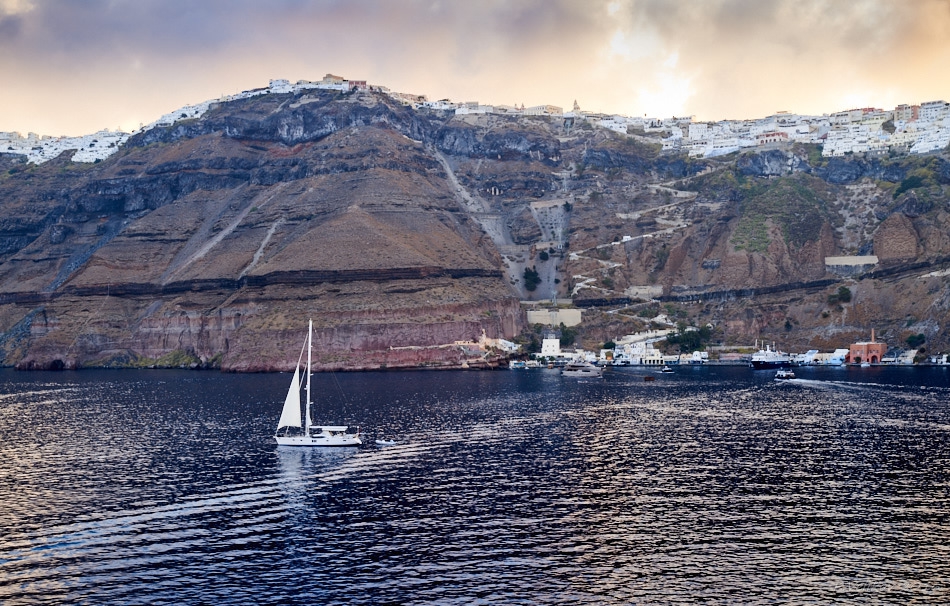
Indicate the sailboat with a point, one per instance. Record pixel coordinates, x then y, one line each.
312 435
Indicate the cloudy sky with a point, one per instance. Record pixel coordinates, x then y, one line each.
75 66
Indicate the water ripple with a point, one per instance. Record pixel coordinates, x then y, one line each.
714 486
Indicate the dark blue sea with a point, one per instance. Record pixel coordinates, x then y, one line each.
713 485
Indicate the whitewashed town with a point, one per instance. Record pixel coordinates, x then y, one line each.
908 128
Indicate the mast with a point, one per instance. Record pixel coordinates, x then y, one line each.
309 349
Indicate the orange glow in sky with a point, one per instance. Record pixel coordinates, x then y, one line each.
73 68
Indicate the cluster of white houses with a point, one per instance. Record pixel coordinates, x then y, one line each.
908 128
912 129
39 149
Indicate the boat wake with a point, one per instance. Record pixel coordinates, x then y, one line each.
859 386
167 535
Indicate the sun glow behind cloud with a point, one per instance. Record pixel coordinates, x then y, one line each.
78 67
13 7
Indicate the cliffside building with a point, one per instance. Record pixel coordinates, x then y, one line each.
555 316
551 345
850 265
544 110
871 351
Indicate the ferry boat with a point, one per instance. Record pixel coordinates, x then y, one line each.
769 358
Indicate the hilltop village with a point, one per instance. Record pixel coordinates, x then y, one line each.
916 129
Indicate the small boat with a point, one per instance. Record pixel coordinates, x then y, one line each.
784 375
582 370
666 369
312 435
385 442
649 378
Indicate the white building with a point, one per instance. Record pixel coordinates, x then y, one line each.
474 107
906 357
543 110
618 124
932 111
89 148
698 131
931 140
550 345
280 86
835 358
442 105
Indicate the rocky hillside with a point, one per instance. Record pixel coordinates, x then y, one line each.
213 241
399 231
742 244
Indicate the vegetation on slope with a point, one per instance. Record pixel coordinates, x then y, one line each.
796 204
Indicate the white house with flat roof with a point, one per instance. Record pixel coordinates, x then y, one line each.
850 265
543 110
551 345
932 111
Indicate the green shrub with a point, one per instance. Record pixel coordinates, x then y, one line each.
915 341
911 182
842 296
531 279
796 204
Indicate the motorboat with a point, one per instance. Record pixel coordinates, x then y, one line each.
784 374
582 370
666 369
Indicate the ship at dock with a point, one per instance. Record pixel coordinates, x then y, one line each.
770 359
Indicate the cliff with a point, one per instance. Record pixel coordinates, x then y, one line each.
210 242
213 241
740 244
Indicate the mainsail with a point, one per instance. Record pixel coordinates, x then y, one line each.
290 417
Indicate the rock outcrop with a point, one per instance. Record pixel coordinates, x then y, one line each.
896 240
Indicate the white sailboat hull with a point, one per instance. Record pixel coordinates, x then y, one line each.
319 440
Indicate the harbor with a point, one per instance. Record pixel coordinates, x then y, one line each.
642 350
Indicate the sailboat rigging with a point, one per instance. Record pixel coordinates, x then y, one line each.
312 435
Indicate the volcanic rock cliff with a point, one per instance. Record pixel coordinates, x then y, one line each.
400 231
213 241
